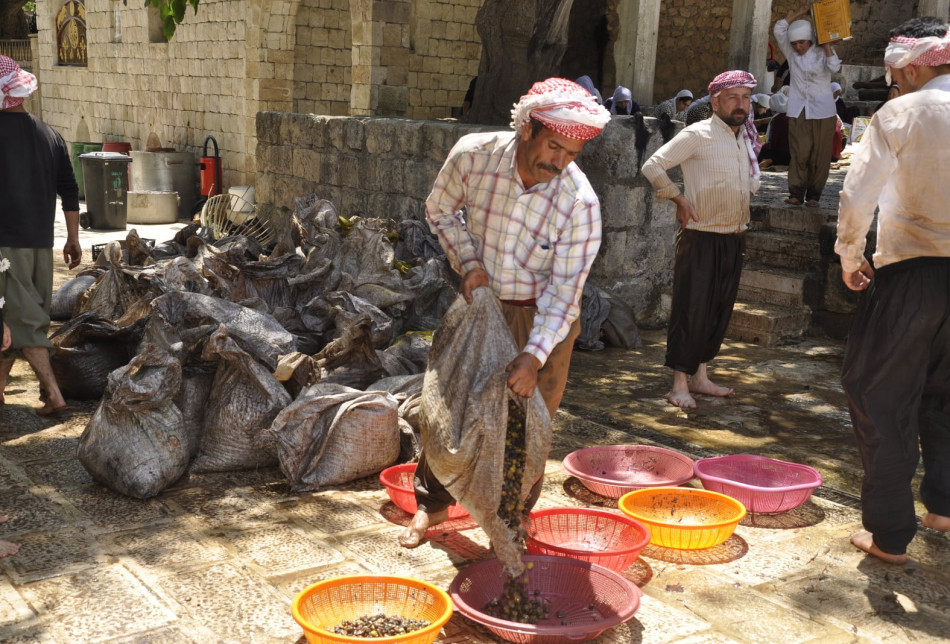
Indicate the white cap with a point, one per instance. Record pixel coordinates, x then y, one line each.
800 30
835 87
684 93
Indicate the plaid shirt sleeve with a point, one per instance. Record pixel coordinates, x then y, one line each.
443 213
559 304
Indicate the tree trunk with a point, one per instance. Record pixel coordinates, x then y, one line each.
13 22
522 42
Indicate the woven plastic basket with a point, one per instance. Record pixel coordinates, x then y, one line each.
605 538
614 470
584 599
398 481
763 485
327 603
682 517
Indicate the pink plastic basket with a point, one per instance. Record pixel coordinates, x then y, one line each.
614 470
587 598
605 538
763 485
398 481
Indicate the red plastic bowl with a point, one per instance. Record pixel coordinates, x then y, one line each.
398 481
763 485
605 538
590 598
614 470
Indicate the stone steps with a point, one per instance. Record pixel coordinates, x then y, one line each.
767 324
771 285
782 288
798 251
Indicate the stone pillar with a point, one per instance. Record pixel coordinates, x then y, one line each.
635 49
380 55
938 8
749 38
270 35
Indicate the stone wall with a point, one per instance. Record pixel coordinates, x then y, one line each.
380 167
412 59
693 39
221 68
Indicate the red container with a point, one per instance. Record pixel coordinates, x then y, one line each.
763 485
398 481
590 598
209 169
605 538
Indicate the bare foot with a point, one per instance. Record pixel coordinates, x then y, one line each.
793 201
414 533
49 409
681 398
864 540
936 522
708 387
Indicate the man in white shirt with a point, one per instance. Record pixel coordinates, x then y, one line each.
721 171
811 108
896 371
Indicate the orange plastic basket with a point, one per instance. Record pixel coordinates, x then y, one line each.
605 538
684 518
327 603
398 481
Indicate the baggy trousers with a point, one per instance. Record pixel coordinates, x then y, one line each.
810 143
706 275
896 375
431 495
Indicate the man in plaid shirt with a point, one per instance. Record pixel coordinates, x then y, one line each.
514 213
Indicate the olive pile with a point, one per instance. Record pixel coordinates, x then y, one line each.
378 625
511 509
516 603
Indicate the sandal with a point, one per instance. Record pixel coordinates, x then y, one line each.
793 201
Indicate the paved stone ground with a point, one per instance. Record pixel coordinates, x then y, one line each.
219 558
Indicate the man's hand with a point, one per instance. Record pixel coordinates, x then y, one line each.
523 374
472 280
72 253
7 339
859 279
684 211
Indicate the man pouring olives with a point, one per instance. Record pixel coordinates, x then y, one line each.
514 213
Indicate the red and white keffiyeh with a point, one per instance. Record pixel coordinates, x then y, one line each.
15 84
564 107
924 52
740 78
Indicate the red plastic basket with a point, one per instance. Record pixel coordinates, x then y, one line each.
398 481
605 538
584 599
614 470
763 485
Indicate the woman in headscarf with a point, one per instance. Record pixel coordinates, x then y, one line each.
622 102
811 107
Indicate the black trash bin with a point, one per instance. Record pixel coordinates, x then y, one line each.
106 178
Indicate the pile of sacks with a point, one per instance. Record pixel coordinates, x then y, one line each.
213 355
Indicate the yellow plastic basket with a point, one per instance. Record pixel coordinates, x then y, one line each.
327 603
684 517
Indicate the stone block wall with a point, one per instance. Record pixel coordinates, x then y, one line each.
223 66
687 27
383 167
322 57
388 57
